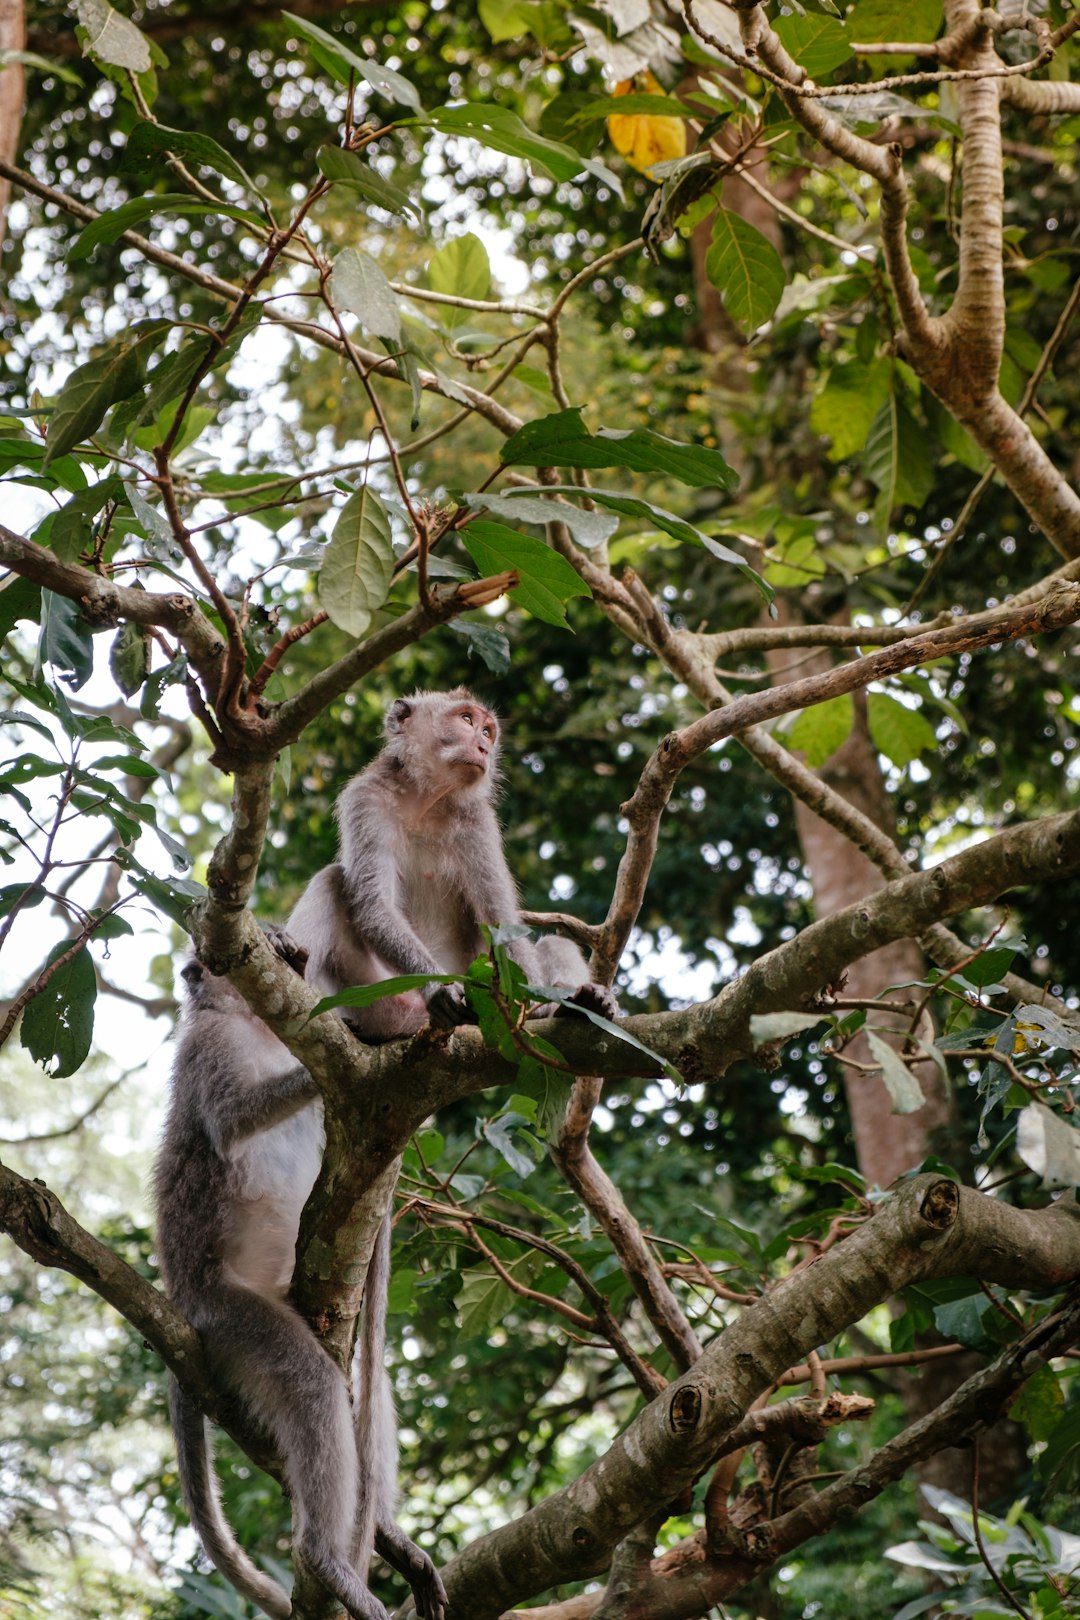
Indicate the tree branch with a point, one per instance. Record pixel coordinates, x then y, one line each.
929 1228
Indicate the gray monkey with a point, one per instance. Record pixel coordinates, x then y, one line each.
242 1148
421 866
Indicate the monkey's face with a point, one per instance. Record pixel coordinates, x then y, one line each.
467 738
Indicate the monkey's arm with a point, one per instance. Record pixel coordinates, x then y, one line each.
246 1098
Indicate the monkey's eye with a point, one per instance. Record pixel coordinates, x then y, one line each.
467 717
489 733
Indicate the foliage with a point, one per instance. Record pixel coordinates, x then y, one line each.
282 447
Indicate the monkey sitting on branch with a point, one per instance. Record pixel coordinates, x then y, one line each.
242 1147
421 867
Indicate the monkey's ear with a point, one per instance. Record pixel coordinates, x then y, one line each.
397 714
192 972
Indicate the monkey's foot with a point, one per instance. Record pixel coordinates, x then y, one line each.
409 1560
596 997
447 1007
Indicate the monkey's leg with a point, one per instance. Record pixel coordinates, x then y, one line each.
413 1563
274 1361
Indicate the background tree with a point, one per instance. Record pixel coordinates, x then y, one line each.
780 625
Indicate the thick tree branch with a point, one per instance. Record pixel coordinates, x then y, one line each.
676 751
255 731
104 604
600 1195
929 1228
1042 97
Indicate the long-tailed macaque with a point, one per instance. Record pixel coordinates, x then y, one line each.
421 866
242 1148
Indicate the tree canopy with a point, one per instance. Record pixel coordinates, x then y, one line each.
697 383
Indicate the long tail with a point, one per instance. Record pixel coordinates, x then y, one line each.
376 1423
203 1501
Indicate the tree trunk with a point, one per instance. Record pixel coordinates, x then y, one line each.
886 1144
12 90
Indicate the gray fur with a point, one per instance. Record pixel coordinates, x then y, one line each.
242 1148
421 866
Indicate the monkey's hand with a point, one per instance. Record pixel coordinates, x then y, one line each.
597 997
447 1007
292 953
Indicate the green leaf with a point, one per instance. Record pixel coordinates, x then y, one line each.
1047 1027
462 268
497 1132
988 967
900 1083
108 226
399 1295
514 19
504 131
866 112
65 640
823 728
482 1303
357 566
148 142
20 599
766 1027
30 59
956 440
638 103
1060 1462
565 998
335 56
898 732
129 658
358 285
897 459
489 644
818 44
350 169
587 528
153 525
156 682
363 995
69 529
1048 1145
58 1024
677 527
88 393
112 38
563 440
174 374
745 269
875 22
1040 1404
28 768
845 407
962 1320
547 580
27 894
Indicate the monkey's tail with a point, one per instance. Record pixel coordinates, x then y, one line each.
376 1423
203 1502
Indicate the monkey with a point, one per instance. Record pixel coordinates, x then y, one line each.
421 866
242 1147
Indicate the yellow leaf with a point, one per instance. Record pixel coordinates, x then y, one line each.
642 139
